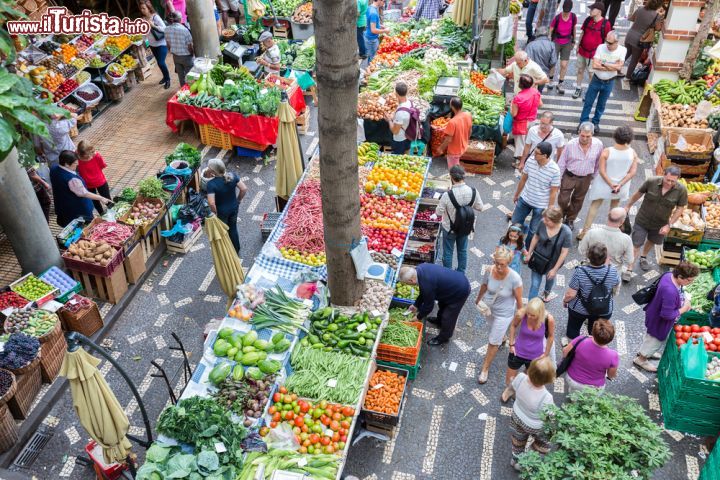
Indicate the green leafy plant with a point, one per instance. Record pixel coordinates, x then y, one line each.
598 436
21 113
152 187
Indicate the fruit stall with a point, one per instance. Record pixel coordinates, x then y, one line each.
233 109
82 73
287 379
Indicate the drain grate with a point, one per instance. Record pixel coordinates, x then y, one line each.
33 448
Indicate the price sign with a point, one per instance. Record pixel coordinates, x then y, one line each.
378 386
361 327
302 462
220 447
332 383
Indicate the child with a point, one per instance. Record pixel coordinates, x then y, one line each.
531 397
514 240
90 168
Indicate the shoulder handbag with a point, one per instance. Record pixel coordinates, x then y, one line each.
645 295
648 38
539 263
157 34
565 363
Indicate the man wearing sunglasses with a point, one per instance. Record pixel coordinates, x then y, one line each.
607 63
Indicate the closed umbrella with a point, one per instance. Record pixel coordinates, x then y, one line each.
97 407
289 163
227 263
462 12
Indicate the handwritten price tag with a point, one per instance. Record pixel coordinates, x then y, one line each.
302 462
361 327
332 383
220 447
378 386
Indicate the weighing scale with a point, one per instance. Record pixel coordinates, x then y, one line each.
447 86
234 52
379 271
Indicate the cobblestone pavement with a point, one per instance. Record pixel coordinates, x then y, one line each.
451 427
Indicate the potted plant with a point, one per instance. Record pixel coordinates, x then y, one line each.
598 435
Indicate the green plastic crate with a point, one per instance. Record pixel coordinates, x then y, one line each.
412 370
711 469
689 405
691 317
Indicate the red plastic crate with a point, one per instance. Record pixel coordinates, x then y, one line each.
112 471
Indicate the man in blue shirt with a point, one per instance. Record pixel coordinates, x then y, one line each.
374 28
448 287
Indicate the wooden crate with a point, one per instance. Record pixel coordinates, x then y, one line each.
281 32
134 264
303 122
668 254
110 289
479 152
150 242
312 92
478 168
701 138
185 246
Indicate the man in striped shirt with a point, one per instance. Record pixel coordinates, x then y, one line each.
537 189
578 165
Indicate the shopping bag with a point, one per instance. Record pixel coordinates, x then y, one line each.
494 81
507 123
694 358
505 29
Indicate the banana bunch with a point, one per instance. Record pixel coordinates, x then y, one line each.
368 152
515 7
680 91
698 187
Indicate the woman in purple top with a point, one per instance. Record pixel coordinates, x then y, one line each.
594 361
663 311
532 332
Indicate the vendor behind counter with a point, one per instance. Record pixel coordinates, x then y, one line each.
270 59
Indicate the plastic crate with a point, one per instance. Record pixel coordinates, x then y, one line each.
412 370
214 137
386 419
92 269
711 469
68 286
269 221
403 355
248 152
39 301
689 405
112 471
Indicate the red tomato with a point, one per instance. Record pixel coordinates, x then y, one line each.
314 438
304 407
345 424
694 328
348 411
336 437
272 410
678 328
289 415
716 341
686 328
299 422
276 397
715 331
679 342
273 424
713 347
282 390
276 417
325 440
705 329
685 336
337 416
334 426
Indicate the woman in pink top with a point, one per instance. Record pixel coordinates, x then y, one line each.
524 108
531 336
594 361
562 32
177 6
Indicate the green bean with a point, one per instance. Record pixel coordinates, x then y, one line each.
399 334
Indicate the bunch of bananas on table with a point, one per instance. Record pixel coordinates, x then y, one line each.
368 152
515 7
698 187
680 91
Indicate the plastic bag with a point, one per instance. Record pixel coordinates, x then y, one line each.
281 438
507 123
505 29
483 309
361 258
694 359
494 81
703 110
681 143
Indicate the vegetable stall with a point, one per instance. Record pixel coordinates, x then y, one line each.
286 377
232 108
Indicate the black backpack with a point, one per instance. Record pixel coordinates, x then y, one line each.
464 222
597 302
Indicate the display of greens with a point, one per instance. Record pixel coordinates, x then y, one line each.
305 57
127 195
698 292
485 109
250 33
202 423
352 334
280 312
319 467
331 376
400 334
243 95
167 461
186 153
152 187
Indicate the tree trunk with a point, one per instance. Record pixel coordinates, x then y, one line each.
337 86
711 10
23 221
206 41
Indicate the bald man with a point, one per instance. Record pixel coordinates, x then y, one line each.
619 244
524 64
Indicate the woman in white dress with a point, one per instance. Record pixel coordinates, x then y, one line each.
617 166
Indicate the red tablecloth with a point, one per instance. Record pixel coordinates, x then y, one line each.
255 128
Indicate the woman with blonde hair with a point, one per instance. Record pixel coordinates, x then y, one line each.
531 398
224 193
503 287
532 334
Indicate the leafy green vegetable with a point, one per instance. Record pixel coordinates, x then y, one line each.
167 462
127 195
157 453
485 109
427 82
186 153
598 435
151 187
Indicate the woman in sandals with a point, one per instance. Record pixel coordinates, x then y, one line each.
532 335
502 287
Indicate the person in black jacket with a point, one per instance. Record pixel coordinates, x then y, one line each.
449 288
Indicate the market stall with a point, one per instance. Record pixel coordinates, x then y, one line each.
232 108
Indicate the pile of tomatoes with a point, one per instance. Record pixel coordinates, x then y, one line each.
386 212
397 44
384 240
321 427
685 333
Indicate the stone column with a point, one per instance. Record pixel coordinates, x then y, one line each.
23 221
681 24
201 16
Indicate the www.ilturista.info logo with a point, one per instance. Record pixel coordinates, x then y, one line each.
60 20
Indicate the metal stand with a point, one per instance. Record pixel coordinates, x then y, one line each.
187 371
367 433
164 376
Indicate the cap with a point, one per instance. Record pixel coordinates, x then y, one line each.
599 5
265 36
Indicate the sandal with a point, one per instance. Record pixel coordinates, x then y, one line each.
545 297
483 377
507 394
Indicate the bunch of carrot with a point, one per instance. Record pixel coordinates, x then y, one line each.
385 392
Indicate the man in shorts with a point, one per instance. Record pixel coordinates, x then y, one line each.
562 32
229 6
664 202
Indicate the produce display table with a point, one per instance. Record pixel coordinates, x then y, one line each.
258 129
